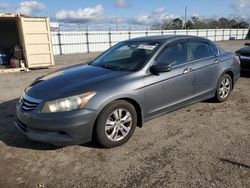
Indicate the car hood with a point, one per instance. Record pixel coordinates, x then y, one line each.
245 50
70 81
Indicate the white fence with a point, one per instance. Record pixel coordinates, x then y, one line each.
68 42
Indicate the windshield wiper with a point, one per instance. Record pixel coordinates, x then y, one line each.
108 67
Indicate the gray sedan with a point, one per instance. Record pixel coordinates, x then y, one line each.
133 81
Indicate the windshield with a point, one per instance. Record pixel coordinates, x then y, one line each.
127 56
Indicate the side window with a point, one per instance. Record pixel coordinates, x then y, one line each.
214 49
200 50
174 55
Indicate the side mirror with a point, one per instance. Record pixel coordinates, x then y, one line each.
89 62
158 68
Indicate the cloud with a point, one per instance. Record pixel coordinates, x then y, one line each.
81 15
241 8
241 5
159 10
157 16
30 7
245 17
121 4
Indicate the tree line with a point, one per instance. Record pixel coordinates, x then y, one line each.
201 23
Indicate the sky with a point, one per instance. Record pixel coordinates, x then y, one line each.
137 12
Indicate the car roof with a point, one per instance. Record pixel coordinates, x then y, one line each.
165 38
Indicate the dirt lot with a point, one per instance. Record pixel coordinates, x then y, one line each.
203 145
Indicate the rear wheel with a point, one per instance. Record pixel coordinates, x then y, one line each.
224 88
116 124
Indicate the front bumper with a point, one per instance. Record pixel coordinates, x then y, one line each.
244 65
245 62
64 128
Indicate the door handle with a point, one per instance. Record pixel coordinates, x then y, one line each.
187 70
216 61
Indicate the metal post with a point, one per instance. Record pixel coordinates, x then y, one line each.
215 34
129 33
146 32
223 33
237 33
243 33
87 38
161 32
230 33
207 33
110 42
59 42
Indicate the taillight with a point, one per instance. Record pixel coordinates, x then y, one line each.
237 58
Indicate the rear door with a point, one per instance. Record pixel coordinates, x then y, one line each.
37 42
205 59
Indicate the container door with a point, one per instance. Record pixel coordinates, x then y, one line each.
37 42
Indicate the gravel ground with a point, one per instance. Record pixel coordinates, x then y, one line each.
202 145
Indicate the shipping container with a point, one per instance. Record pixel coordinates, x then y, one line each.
27 38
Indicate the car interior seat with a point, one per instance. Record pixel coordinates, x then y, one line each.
201 51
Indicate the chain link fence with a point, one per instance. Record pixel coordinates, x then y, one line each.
71 42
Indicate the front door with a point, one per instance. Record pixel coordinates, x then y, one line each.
170 89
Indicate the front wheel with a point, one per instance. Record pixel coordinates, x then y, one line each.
116 124
224 88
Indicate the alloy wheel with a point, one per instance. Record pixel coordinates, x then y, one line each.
118 124
224 88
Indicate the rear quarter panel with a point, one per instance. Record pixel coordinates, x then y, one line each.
229 64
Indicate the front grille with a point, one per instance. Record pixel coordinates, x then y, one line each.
29 103
245 54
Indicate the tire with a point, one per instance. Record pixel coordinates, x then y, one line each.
116 124
224 88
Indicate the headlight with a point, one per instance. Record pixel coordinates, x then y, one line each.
20 101
69 103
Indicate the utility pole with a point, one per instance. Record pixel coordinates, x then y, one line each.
185 17
182 19
116 24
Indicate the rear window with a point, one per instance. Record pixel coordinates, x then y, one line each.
214 49
200 50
